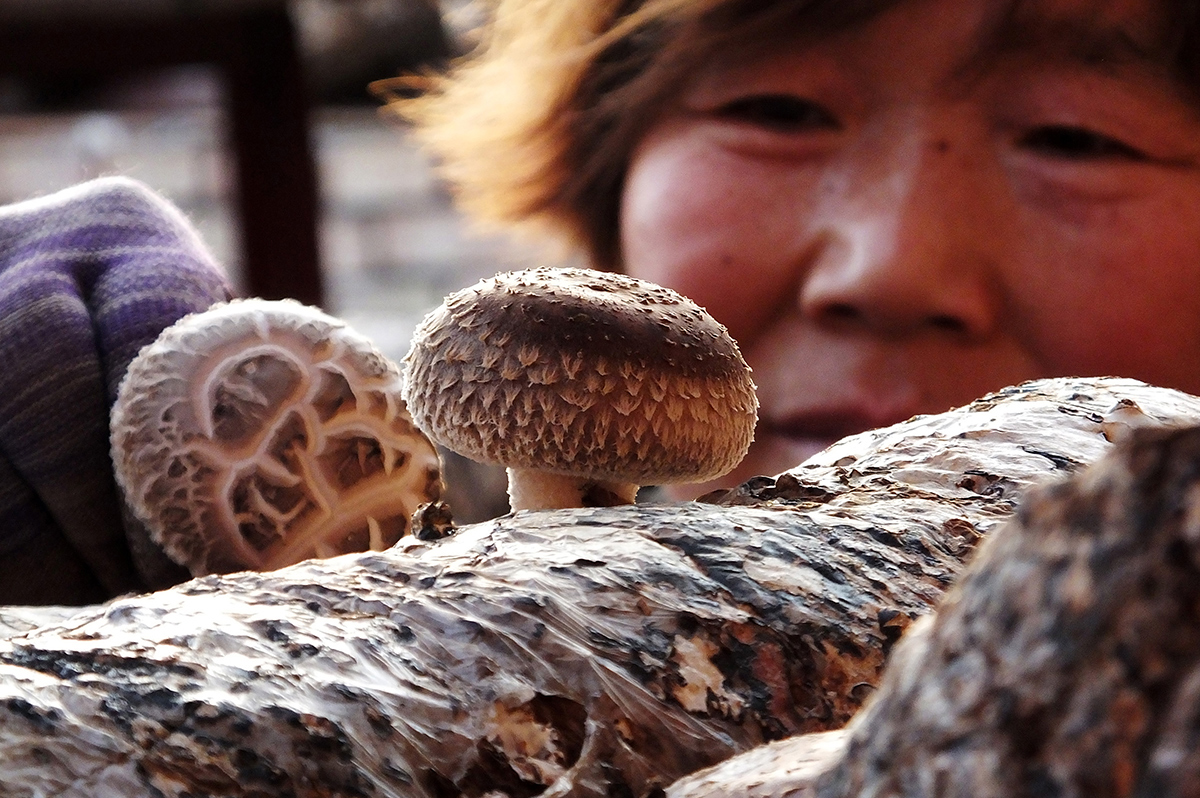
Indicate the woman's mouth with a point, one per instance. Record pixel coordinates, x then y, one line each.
783 442
798 437
829 426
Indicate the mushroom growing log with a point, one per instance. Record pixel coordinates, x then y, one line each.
602 651
1066 662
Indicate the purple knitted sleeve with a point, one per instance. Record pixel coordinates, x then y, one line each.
87 277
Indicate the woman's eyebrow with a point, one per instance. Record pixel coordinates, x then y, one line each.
1087 43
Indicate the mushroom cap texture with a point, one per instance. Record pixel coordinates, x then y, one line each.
260 433
586 373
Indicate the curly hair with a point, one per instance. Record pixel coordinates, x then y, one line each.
534 130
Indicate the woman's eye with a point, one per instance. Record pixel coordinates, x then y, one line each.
1077 143
782 113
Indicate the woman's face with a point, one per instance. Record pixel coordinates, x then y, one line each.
912 213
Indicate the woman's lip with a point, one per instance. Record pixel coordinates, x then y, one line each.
822 426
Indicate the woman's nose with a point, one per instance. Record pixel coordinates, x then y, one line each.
908 252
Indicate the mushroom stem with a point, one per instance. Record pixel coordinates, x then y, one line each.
530 489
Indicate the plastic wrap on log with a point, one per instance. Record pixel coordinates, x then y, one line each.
1065 662
576 652
1068 663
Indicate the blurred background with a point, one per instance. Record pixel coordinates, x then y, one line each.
388 243
254 117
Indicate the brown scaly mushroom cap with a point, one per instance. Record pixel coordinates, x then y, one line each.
259 433
586 383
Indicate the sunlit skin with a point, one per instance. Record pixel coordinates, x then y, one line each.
907 215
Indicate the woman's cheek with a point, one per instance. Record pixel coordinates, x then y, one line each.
1116 290
695 224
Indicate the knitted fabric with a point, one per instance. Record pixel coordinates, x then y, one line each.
87 277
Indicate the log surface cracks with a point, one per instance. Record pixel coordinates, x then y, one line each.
575 652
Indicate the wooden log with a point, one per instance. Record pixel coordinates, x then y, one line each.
1069 662
789 767
578 652
1066 662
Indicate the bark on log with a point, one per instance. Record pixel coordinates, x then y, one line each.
1069 663
787 768
1065 663
586 652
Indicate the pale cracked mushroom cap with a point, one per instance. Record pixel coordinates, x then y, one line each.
586 374
261 433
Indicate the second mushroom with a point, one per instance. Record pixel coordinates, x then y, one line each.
584 384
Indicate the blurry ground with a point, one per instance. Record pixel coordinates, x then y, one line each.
392 246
